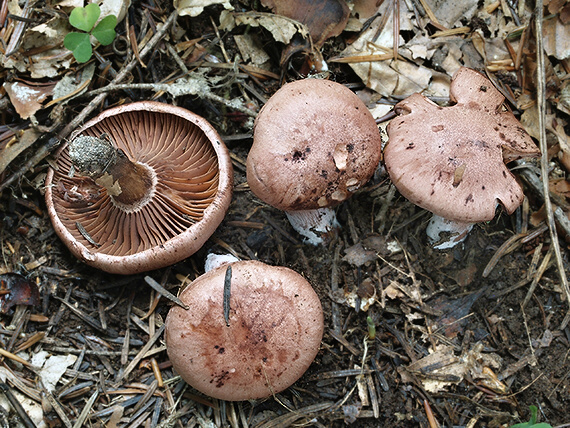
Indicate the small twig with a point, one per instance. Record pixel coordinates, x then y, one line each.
528 333
279 229
396 28
541 91
335 280
168 87
14 357
90 352
164 292
17 406
227 294
535 182
177 58
86 235
58 407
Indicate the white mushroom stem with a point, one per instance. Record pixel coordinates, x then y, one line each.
443 233
313 224
215 260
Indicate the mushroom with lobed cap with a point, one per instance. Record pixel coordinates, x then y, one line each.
251 331
451 160
314 144
139 187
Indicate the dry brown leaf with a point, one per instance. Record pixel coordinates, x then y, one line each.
324 19
565 14
12 146
251 49
449 13
385 76
442 369
556 38
48 61
561 187
555 6
281 28
364 9
196 7
27 98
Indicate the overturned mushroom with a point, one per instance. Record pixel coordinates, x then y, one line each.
451 160
251 331
314 144
139 187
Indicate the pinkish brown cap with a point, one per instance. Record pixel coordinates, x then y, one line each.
192 184
314 144
274 331
451 160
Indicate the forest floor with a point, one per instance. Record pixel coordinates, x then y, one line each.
471 336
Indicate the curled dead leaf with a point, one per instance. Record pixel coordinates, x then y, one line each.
16 289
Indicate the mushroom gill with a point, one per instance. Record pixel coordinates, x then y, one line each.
186 168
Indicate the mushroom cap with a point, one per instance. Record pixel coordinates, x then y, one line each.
194 179
274 333
314 144
451 160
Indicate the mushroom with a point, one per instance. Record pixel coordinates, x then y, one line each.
314 144
251 331
139 187
451 160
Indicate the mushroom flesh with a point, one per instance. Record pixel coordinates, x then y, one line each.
451 160
251 331
314 144
139 187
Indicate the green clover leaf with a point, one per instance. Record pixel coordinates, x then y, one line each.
105 30
84 18
80 45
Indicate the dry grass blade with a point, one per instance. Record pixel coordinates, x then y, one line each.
21 384
508 246
141 354
342 340
288 419
88 319
14 357
538 274
85 412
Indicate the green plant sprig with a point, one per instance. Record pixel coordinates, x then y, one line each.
84 19
532 422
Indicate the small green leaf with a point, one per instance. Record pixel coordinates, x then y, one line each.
84 18
105 30
80 45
